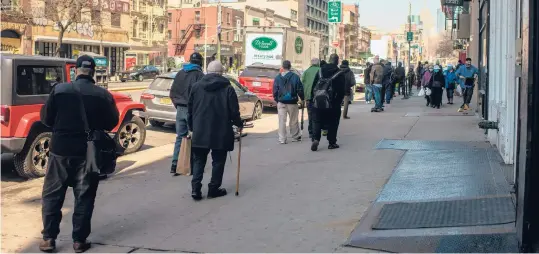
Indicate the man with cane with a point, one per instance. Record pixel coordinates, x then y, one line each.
213 109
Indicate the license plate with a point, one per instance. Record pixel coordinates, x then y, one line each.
257 84
165 101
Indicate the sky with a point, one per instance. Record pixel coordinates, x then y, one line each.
389 15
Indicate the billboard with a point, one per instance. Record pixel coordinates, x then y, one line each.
266 48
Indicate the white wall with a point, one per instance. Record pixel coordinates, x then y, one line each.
379 47
502 81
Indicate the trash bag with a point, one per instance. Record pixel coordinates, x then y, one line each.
421 92
458 90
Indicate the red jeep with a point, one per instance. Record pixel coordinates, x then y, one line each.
26 84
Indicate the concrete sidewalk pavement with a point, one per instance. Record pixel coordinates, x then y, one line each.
291 199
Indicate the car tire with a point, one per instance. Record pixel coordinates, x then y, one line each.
155 123
33 160
131 135
140 78
257 111
123 80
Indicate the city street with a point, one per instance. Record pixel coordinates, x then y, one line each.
291 199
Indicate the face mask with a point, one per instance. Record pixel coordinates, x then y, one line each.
437 70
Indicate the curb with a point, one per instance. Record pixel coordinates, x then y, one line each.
131 88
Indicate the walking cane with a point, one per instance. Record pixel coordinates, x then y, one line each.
302 110
239 165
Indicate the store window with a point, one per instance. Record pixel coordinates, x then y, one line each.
116 19
38 80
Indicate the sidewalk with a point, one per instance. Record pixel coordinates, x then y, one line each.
291 199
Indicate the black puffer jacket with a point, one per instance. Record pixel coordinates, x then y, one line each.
213 108
62 112
184 80
338 84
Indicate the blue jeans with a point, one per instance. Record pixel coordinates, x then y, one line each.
181 131
389 93
368 93
377 89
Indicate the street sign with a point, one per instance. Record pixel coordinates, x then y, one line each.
453 2
334 12
415 46
335 43
410 36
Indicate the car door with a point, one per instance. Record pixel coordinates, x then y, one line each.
153 72
245 108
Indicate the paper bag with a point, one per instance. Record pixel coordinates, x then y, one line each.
184 158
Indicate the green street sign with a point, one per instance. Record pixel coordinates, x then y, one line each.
415 46
298 45
410 36
334 11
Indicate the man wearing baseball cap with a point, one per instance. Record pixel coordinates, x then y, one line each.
179 94
62 114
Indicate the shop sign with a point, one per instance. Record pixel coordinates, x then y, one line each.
212 49
14 26
298 45
264 43
453 2
112 5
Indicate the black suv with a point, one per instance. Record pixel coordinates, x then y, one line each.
140 73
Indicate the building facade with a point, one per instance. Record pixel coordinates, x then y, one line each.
364 42
351 32
187 34
313 17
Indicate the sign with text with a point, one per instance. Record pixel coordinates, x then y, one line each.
334 12
409 36
453 2
266 48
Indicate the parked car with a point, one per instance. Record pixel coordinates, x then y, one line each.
259 79
140 73
26 84
160 110
358 74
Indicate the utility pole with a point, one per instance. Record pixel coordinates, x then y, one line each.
409 45
205 41
219 17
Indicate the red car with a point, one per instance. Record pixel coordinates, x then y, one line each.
26 84
258 78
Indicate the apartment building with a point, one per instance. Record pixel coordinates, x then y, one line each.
186 33
350 38
313 16
148 32
364 41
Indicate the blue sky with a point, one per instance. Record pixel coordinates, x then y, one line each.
389 15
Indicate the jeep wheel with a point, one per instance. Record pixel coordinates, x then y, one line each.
32 161
131 135
155 123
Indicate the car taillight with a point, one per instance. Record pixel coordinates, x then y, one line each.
147 96
4 114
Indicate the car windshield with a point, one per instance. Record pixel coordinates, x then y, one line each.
260 72
136 68
161 84
356 70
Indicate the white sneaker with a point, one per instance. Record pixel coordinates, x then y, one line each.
282 142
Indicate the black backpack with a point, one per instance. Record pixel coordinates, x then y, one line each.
323 91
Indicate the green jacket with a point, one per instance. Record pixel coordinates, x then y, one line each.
308 79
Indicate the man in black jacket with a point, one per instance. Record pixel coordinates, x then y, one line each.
369 93
388 82
179 93
213 109
329 118
62 113
400 74
350 82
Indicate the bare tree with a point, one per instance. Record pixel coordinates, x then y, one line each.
445 47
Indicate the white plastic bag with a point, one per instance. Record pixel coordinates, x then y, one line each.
459 90
421 92
428 92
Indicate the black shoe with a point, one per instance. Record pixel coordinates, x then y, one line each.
333 146
428 104
346 117
196 195
314 145
48 245
215 193
173 169
438 107
81 247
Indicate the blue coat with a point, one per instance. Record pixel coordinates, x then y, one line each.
467 73
450 77
287 95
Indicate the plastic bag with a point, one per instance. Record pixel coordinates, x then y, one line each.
428 92
421 92
459 90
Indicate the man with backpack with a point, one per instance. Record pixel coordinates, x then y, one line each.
328 95
287 88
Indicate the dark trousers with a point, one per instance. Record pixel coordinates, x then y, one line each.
427 97
436 96
62 173
450 93
310 115
200 156
390 91
467 94
327 118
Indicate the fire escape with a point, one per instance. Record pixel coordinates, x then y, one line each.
181 42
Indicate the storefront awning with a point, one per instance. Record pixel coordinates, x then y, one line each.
81 41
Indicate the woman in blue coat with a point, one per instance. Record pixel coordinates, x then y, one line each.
451 82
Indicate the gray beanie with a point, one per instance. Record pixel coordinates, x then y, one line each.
315 61
215 67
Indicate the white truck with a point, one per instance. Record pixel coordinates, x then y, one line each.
271 46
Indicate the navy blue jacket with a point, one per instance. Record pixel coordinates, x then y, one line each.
279 88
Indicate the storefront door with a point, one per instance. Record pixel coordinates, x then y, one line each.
484 28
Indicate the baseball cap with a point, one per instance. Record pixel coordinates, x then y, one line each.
195 58
86 61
